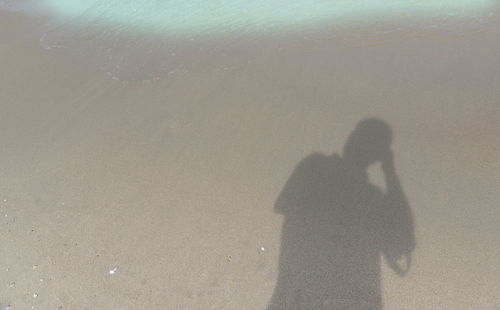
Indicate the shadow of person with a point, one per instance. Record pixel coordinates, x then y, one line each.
337 226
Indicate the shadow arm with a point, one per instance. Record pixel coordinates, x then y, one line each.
400 226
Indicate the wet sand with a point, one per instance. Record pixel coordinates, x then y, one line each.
174 183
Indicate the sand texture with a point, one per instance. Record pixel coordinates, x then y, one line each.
237 174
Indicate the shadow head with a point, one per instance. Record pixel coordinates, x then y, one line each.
368 143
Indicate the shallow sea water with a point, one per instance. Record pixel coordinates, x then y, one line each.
133 41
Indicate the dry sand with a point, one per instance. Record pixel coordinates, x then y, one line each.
173 183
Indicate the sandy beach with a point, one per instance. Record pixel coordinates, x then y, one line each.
161 190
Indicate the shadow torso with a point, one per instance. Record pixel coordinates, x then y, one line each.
331 238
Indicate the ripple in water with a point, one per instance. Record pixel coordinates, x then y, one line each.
128 51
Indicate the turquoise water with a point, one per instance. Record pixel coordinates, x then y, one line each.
141 40
188 17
